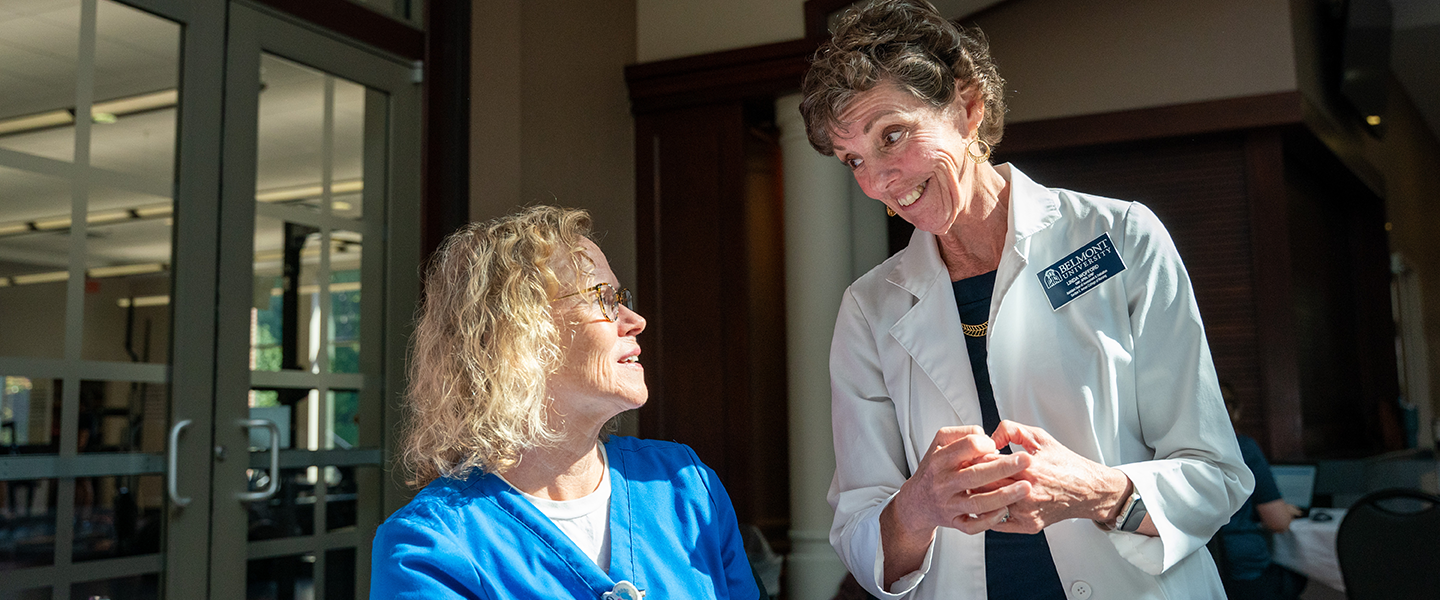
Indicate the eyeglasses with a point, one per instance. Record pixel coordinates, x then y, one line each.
609 299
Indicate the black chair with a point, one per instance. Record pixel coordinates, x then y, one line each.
1389 546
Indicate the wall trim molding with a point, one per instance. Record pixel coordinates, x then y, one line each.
767 71
1194 118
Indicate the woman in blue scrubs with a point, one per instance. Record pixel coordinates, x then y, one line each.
525 348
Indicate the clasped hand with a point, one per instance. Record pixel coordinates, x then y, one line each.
965 483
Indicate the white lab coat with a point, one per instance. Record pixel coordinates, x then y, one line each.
1121 375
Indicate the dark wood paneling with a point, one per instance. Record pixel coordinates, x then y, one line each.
447 123
1340 278
704 239
1275 324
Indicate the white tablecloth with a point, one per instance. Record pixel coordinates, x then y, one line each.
1309 547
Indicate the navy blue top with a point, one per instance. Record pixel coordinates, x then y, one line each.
1017 565
1246 549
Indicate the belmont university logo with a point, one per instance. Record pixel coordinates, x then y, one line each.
1051 278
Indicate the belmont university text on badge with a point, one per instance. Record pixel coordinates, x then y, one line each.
1081 271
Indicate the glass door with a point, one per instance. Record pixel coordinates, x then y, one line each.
109 150
160 333
318 236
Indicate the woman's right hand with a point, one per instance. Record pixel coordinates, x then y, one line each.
962 482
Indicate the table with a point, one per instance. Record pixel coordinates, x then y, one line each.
1308 547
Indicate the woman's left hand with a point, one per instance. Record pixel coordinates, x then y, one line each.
1064 485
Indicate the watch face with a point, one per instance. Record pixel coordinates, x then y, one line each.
1134 514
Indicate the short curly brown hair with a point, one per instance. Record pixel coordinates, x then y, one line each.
909 43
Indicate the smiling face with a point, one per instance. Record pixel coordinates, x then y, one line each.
910 155
600 374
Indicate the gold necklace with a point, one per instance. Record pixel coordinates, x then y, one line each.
976 330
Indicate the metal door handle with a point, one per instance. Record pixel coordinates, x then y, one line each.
274 484
172 458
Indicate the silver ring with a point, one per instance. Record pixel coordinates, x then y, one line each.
1006 517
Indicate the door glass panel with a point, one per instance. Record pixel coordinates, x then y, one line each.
122 416
342 492
137 60
343 420
127 286
117 516
291 126
42 42
29 416
344 315
27 523
27 410
138 587
281 577
34 262
340 574
290 513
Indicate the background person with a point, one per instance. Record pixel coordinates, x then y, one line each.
1248 572
524 349
1068 314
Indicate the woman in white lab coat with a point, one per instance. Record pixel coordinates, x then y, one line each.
1056 324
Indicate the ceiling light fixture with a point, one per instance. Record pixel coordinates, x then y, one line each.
26 123
124 270
50 277
105 112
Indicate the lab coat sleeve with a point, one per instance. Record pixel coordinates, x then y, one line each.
870 463
1197 478
415 560
739 579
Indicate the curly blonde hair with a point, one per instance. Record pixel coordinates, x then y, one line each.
907 42
485 343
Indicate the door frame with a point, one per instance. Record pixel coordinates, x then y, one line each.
253 30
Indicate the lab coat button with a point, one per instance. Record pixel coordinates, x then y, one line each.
1079 590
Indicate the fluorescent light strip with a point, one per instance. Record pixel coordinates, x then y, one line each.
101 217
124 270
335 288
140 103
100 112
143 301
305 192
32 122
50 277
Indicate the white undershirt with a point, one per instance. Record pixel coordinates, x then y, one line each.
585 520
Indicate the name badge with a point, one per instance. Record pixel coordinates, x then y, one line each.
1084 269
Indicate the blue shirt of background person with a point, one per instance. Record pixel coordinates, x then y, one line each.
1247 552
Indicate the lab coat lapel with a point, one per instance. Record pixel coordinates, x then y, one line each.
930 331
1033 208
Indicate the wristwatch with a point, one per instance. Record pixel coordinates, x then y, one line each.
1131 515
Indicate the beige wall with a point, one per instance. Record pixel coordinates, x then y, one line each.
675 28
551 115
1061 57
1064 58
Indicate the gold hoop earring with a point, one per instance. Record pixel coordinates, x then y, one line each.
979 158
889 211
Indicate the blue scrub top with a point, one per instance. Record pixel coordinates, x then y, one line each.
673 533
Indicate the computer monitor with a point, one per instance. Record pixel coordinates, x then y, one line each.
1296 483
